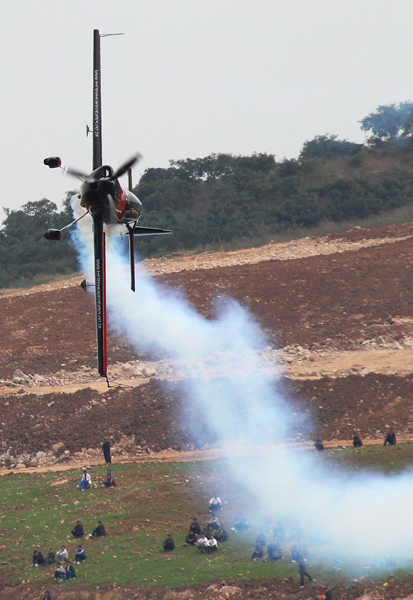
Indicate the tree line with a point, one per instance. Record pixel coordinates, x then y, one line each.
226 199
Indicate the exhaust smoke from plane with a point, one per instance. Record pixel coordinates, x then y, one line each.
360 517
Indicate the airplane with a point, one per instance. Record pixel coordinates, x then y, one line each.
114 210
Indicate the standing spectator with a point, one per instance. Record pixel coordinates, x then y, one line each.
99 531
215 504
62 555
168 544
47 595
302 570
80 555
85 482
50 557
106 451
390 439
77 530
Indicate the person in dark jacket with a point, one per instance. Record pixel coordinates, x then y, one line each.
80 555
47 596
38 558
258 552
70 571
77 530
50 557
357 443
195 526
99 531
319 445
168 544
390 439
106 452
274 551
302 570
191 539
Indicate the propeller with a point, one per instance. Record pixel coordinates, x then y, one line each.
106 184
127 165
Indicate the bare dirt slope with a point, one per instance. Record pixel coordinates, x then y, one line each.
337 310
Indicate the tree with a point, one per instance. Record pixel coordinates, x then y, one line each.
327 147
390 123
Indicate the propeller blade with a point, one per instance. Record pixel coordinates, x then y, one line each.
127 165
80 175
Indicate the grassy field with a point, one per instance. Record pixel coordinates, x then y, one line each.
152 499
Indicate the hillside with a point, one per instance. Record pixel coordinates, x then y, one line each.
339 318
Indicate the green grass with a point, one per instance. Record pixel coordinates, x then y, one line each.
150 501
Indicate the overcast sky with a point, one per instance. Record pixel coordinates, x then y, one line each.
189 78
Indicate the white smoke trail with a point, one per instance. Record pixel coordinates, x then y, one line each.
365 515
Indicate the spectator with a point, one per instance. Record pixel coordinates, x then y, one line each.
191 539
202 543
106 451
168 544
212 545
50 558
38 559
357 443
70 571
258 552
274 551
302 570
77 530
85 482
47 595
80 555
240 524
109 480
195 526
215 504
59 572
213 522
279 533
319 445
99 531
261 539
62 555
390 439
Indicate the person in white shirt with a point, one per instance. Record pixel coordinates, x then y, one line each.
62 555
86 481
215 504
212 544
202 542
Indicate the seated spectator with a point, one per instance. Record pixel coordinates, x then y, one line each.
62 555
213 522
258 552
38 559
50 557
357 443
195 526
274 551
390 439
279 533
319 445
99 531
59 572
109 480
191 539
70 571
47 595
261 539
212 545
80 555
221 535
215 504
77 530
240 524
85 482
202 543
168 544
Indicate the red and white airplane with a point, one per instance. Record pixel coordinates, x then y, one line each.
114 210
